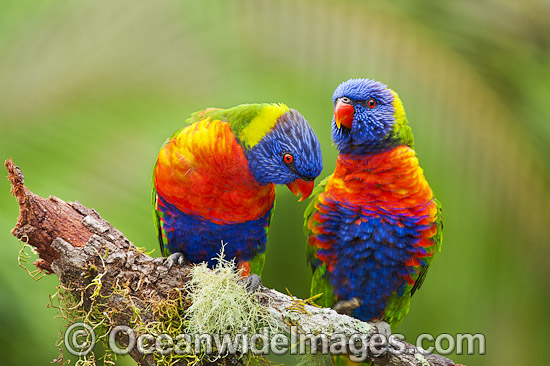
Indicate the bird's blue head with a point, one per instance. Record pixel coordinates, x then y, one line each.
368 118
289 152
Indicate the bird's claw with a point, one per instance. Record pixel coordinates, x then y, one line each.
346 307
175 258
252 283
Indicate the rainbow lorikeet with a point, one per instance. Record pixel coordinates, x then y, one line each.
374 225
214 180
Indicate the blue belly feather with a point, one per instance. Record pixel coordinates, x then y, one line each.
200 239
369 256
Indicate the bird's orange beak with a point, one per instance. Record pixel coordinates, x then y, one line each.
301 186
343 114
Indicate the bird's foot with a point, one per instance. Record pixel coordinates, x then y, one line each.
252 283
175 258
346 307
383 328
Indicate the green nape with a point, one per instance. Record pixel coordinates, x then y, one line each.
249 122
404 135
319 282
401 130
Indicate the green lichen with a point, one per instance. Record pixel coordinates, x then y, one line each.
421 359
212 302
23 259
221 305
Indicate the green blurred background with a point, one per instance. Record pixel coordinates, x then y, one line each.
89 90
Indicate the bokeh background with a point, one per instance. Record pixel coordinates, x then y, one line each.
89 90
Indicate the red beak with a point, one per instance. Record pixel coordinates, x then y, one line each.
343 114
301 186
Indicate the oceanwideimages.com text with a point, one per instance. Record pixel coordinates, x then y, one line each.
80 338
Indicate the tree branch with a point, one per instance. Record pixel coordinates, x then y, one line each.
76 244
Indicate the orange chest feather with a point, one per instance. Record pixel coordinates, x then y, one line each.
391 182
203 171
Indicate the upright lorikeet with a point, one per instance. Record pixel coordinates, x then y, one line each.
214 180
374 225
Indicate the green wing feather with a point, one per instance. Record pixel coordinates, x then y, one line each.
438 240
158 224
308 213
319 282
397 306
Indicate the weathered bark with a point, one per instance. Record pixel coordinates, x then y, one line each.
75 243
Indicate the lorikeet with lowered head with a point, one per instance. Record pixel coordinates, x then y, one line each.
374 225
214 180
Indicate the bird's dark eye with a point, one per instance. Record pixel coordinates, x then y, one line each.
345 100
371 103
288 158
